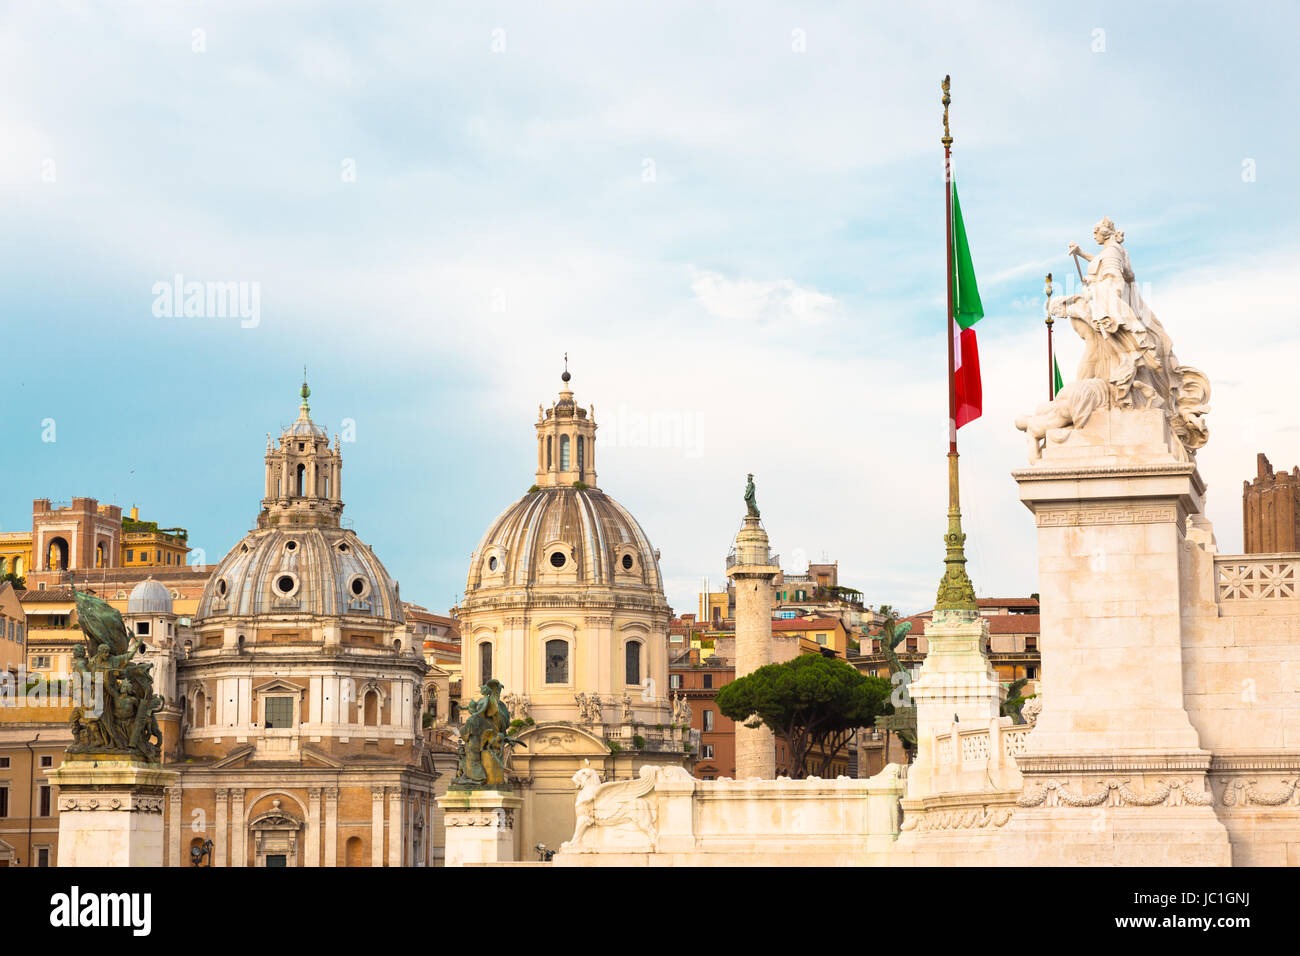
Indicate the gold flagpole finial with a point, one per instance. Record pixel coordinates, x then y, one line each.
947 98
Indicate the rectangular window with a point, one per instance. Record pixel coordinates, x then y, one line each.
43 856
708 720
142 628
45 801
708 681
130 555
279 713
157 555
4 802
557 661
4 763
47 761
675 681
706 751
39 663
821 639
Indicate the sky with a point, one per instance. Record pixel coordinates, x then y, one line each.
729 216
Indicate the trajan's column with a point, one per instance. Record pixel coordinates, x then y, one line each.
752 570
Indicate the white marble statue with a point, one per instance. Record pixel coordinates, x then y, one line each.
616 815
1128 359
589 708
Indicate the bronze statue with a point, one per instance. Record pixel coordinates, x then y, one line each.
751 499
122 719
484 740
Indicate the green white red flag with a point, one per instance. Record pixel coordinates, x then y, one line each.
967 310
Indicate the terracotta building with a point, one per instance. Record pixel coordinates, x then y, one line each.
698 680
1271 510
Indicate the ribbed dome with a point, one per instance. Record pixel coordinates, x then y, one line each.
149 597
597 542
320 571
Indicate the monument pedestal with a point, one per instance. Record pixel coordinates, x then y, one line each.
111 812
1114 772
480 826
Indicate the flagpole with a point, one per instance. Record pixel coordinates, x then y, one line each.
956 593
1051 366
947 205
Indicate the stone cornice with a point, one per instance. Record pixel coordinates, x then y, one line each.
1104 471
1109 763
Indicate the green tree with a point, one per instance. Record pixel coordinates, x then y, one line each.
20 584
813 702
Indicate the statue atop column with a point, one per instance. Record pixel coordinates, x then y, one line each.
1128 359
751 499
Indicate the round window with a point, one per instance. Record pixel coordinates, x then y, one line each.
492 564
284 584
627 562
343 548
358 586
557 559
291 546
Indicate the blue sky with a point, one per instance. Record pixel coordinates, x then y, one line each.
733 239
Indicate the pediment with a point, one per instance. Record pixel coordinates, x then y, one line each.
550 739
312 754
240 754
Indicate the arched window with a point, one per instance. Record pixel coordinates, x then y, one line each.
18 567
100 555
548 452
302 473
4 565
582 458
632 655
352 852
371 709
557 662
200 710
564 453
484 662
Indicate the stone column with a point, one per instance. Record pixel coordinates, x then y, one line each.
480 826
753 570
312 844
111 812
376 826
1112 504
220 838
175 825
331 826
396 828
238 828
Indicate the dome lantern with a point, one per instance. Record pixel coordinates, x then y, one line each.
566 441
304 476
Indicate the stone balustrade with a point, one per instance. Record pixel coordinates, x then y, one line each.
1243 580
981 751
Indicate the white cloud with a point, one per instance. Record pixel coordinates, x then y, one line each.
753 301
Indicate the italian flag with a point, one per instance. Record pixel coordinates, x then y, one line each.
967 310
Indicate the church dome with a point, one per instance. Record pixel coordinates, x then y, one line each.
320 571
149 597
565 535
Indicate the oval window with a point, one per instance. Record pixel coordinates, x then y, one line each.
358 586
284 584
221 587
557 559
291 546
343 548
492 564
627 562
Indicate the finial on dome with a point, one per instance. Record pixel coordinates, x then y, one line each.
566 376
305 392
